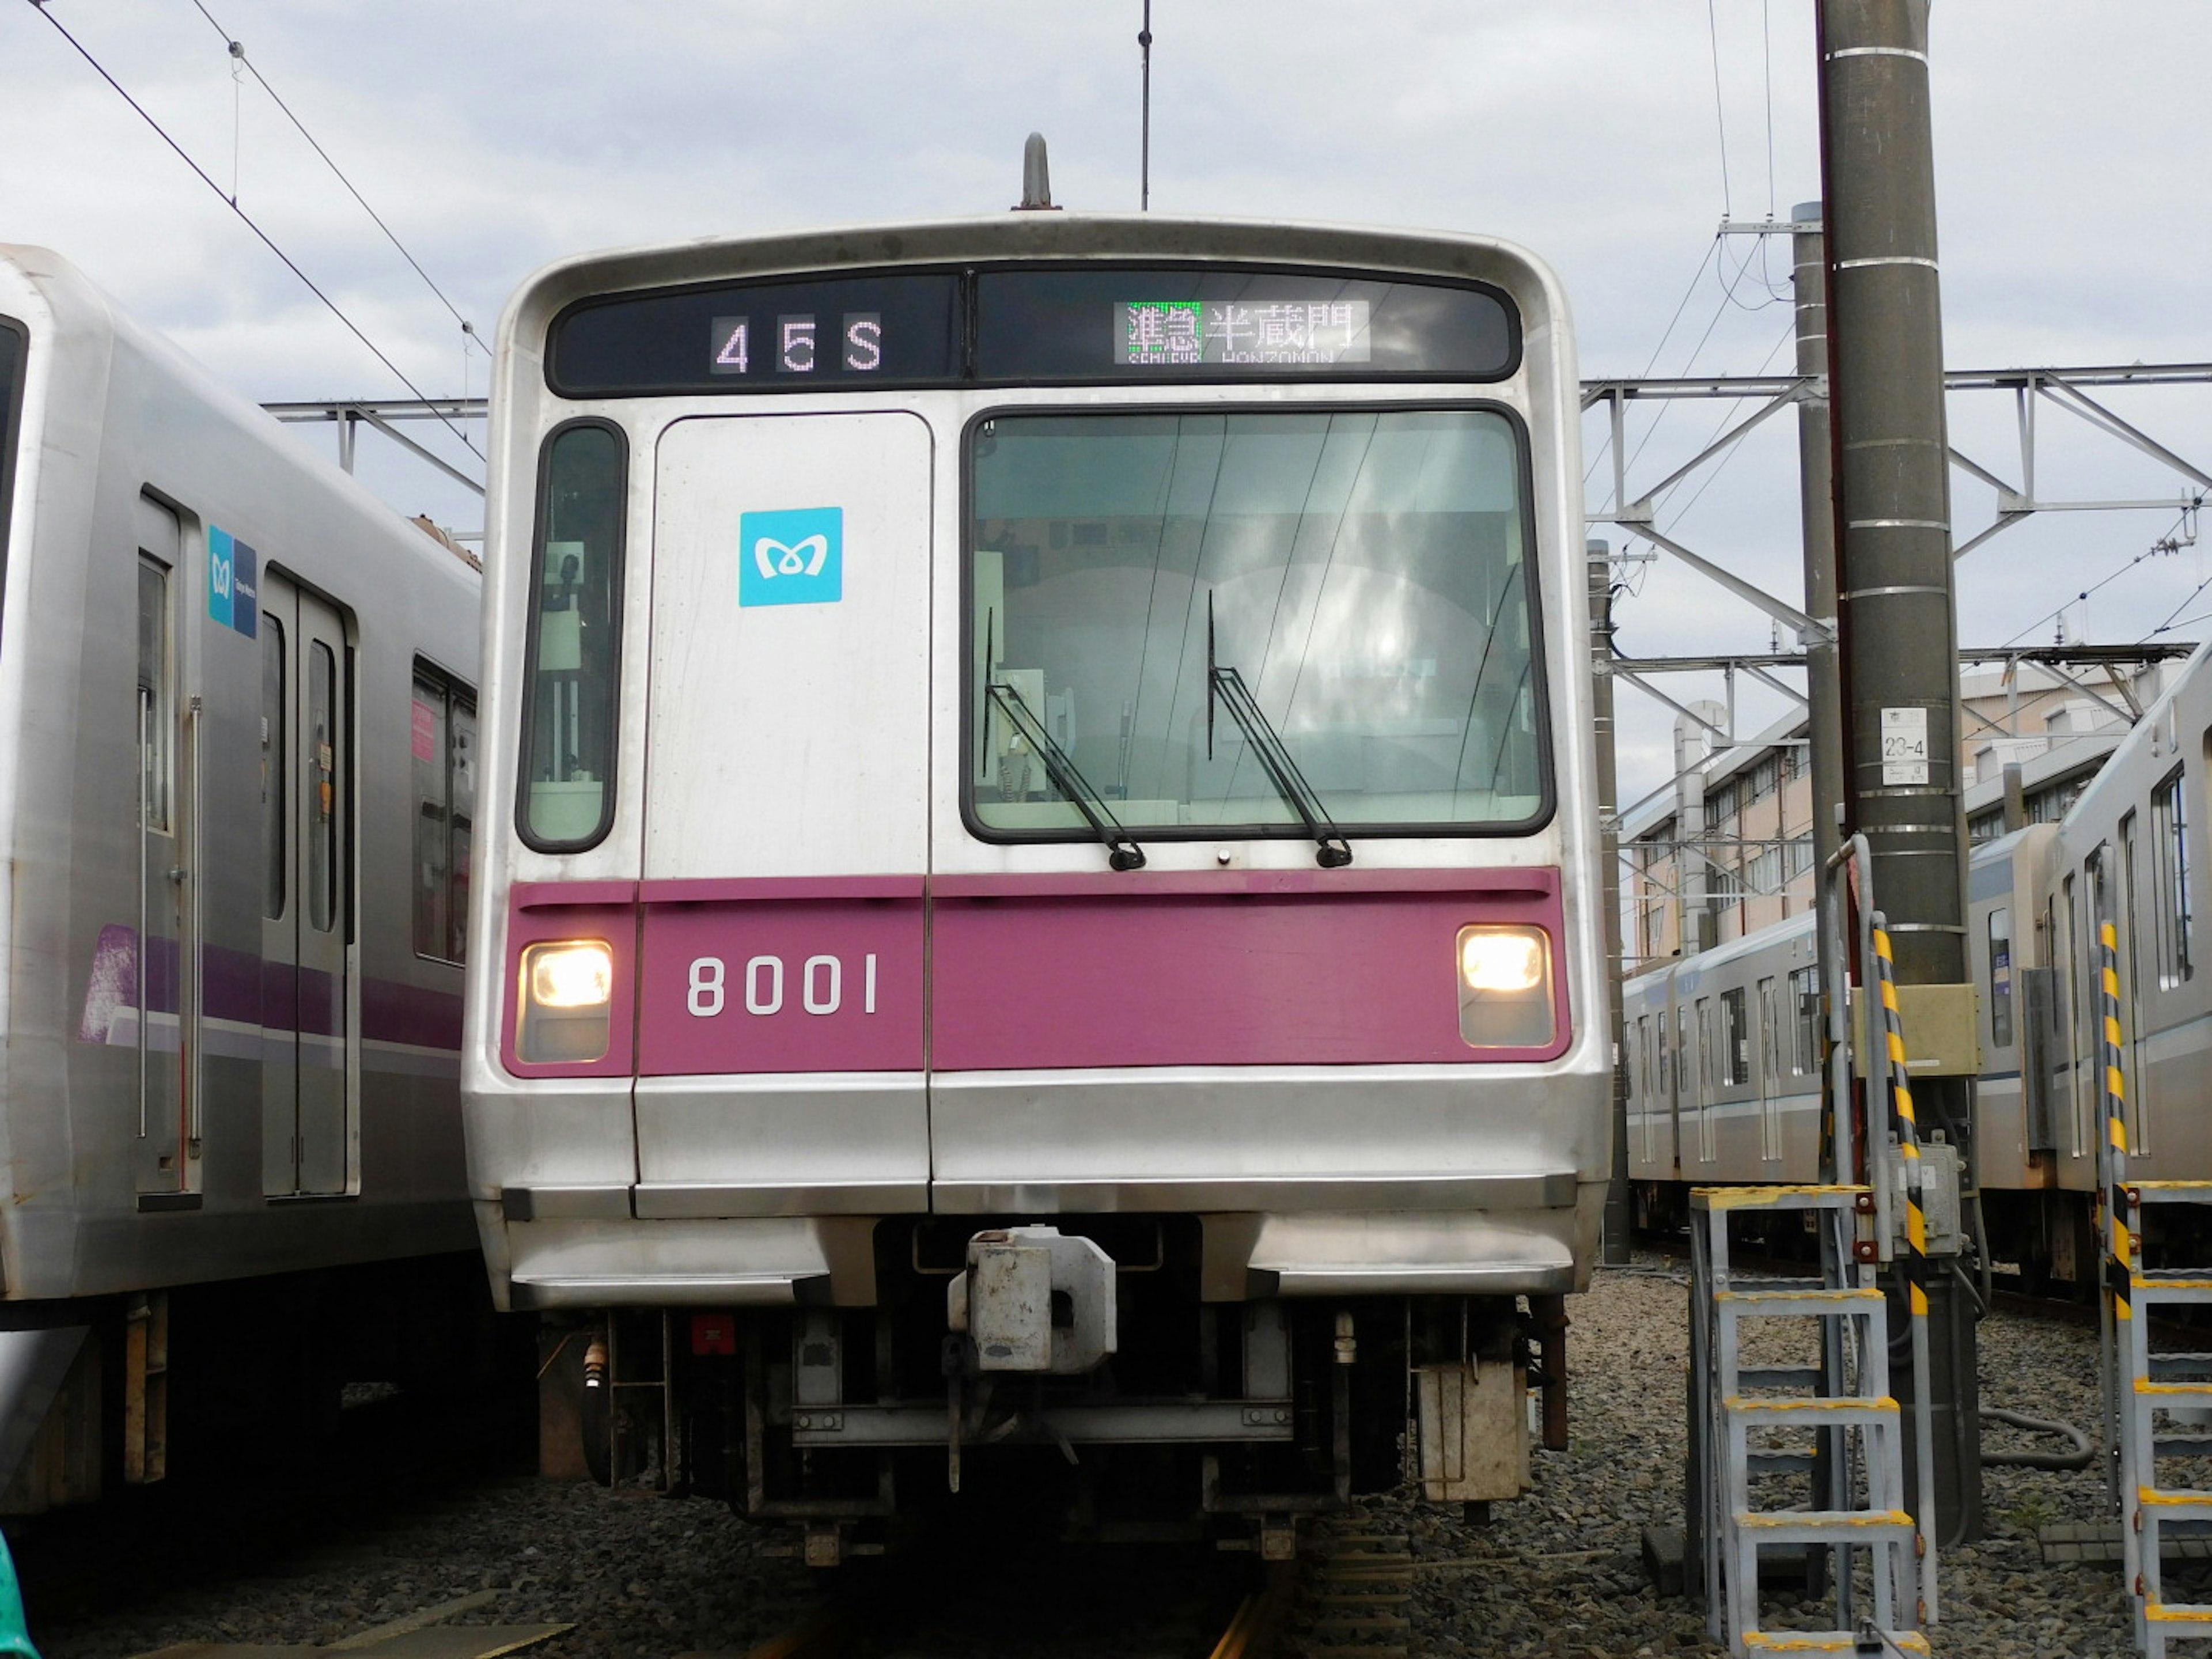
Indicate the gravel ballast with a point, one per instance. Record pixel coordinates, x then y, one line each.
1559 1574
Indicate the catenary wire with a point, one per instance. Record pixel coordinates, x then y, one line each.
1666 334
246 219
237 53
2112 576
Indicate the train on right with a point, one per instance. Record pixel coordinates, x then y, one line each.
1723 1048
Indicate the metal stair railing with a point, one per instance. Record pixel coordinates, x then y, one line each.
1854 1461
2142 1383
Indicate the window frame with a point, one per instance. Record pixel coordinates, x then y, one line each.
1539 661
458 694
616 587
1803 988
1735 1037
2169 813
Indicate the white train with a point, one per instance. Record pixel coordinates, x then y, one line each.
1042 887
237 777
1723 1048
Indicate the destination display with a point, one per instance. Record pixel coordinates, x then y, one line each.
1179 333
1069 323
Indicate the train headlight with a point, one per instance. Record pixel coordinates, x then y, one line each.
1506 988
567 991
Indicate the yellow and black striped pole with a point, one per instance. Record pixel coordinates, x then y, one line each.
2122 1481
1913 1264
2119 1230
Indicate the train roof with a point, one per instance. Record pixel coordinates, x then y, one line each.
1052 235
68 309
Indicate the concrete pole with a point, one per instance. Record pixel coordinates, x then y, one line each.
1815 474
1617 1218
1693 746
1895 602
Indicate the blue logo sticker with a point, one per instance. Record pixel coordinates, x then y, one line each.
221 570
233 585
794 558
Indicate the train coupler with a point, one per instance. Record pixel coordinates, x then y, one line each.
1033 1299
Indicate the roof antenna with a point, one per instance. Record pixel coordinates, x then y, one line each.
1144 155
1037 177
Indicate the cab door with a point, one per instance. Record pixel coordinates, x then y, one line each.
165 1047
786 834
307 1041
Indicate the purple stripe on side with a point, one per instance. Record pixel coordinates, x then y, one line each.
410 1014
113 984
1540 883
1111 977
777 889
247 989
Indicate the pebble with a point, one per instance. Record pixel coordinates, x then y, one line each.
1558 1575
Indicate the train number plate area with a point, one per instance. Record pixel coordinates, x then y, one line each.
828 981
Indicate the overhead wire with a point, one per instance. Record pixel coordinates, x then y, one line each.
247 219
239 58
1666 334
2163 545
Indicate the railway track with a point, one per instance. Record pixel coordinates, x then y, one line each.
1349 1596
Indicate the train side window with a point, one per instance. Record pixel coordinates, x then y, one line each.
276 844
2000 938
1735 1039
569 716
442 729
1805 997
323 787
2170 831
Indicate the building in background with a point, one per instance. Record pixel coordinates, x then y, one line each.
1754 854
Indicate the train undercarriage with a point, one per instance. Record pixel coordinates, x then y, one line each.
1073 1369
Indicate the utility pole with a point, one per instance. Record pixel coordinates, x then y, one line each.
1815 474
1608 813
1896 609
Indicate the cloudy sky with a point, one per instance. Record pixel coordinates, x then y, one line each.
1610 136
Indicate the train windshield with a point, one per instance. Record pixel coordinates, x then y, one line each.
1142 584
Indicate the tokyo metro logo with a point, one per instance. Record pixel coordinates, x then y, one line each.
792 557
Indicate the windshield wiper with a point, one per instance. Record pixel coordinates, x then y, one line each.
1121 849
1332 850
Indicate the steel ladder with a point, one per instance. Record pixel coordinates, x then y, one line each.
2148 1384
2139 1382
1856 1463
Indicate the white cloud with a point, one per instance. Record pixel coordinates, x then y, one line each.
499 135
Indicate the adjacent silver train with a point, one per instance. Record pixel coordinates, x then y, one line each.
1040 904
236 793
1723 1048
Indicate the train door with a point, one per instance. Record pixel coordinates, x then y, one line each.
784 871
2131 1008
2075 999
1770 1069
1706 1149
165 1049
307 1041
1678 1097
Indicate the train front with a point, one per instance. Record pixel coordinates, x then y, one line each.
1040 908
